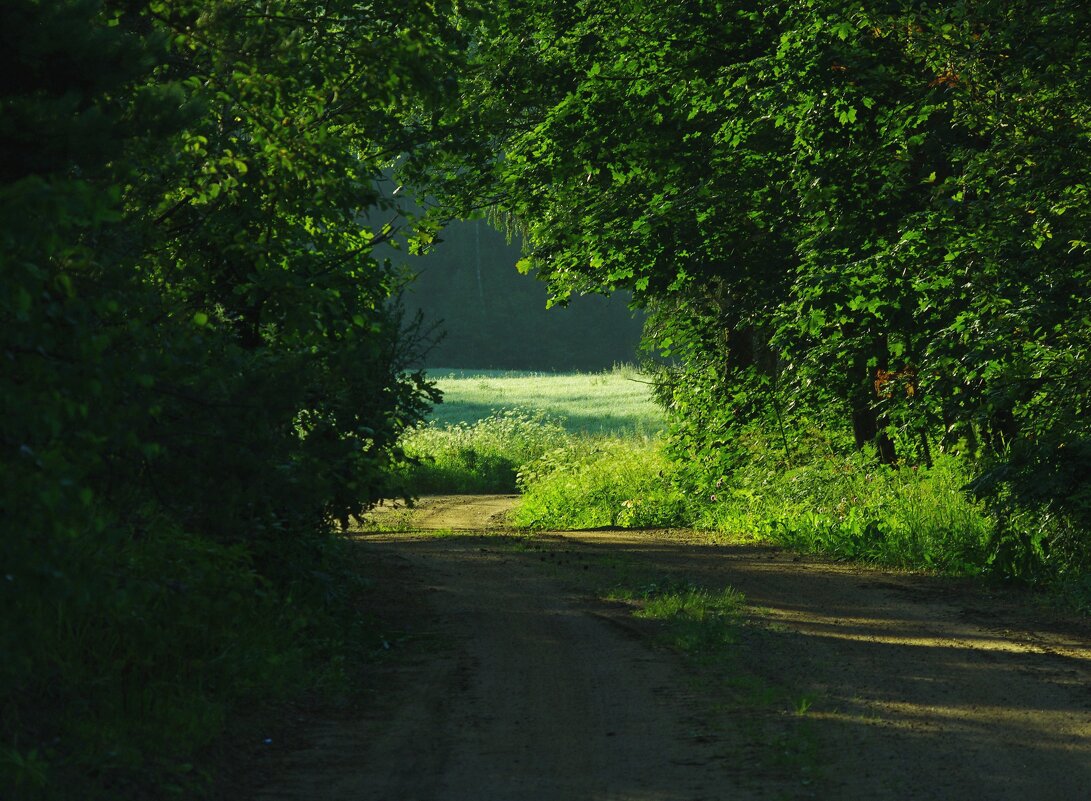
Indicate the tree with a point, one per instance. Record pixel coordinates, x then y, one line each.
203 362
871 214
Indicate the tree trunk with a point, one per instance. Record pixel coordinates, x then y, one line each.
867 425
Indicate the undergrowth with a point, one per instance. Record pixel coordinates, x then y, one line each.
595 482
824 497
163 638
849 507
483 456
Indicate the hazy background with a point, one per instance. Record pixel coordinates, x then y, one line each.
496 318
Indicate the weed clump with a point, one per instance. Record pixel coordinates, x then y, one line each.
484 456
601 482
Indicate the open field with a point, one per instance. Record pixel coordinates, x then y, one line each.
617 401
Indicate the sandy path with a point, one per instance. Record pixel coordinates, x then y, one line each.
522 685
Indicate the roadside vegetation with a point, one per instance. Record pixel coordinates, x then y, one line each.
823 496
492 425
858 235
204 368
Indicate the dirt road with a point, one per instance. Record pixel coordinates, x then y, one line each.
515 681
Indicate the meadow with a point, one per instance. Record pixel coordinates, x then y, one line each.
586 450
495 427
616 401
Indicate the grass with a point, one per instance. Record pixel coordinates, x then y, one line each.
598 482
700 622
851 508
493 424
707 625
616 401
482 456
585 451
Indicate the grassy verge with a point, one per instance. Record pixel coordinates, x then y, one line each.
600 482
482 456
590 456
850 508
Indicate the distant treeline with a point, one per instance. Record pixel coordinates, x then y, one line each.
491 316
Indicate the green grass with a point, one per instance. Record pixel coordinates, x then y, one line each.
583 448
614 402
596 482
483 456
701 623
589 455
851 508
493 424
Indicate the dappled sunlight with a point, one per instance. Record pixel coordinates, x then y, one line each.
878 672
1054 732
892 632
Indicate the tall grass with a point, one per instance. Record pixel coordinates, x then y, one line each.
851 508
595 460
483 456
493 424
844 507
595 482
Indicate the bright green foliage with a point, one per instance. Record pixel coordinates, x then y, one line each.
852 508
870 215
493 425
202 362
484 456
596 482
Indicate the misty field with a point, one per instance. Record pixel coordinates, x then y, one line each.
616 401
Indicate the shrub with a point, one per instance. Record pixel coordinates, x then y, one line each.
852 508
484 456
144 644
596 482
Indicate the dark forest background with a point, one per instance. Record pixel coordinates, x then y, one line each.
489 315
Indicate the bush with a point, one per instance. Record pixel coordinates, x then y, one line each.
144 644
485 456
596 482
852 508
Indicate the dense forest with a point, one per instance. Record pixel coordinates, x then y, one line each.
860 224
856 229
487 315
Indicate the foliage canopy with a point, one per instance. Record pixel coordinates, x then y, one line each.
871 215
203 362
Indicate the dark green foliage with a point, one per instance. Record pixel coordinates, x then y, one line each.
873 217
203 364
493 317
